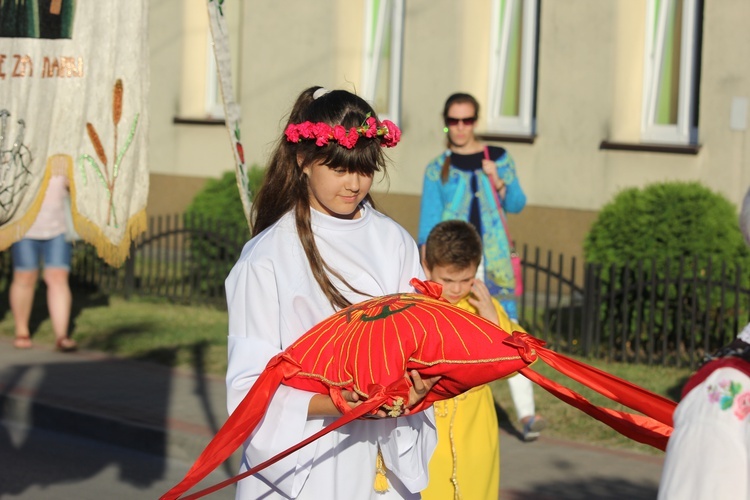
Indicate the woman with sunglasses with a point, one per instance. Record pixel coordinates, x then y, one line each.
473 182
467 182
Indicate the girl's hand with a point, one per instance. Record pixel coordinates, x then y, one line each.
321 405
419 388
481 299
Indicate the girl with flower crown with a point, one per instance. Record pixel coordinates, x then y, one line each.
318 245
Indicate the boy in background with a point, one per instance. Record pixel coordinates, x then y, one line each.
466 462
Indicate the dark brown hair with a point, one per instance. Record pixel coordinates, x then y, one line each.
453 243
285 186
457 98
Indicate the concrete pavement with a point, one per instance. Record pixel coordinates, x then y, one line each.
174 413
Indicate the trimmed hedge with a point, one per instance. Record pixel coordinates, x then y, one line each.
683 234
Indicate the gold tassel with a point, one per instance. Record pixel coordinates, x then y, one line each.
381 481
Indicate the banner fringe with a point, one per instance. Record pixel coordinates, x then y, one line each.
11 233
113 254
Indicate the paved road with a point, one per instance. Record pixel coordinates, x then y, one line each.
551 469
46 465
166 417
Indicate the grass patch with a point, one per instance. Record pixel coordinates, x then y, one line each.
175 335
567 422
194 337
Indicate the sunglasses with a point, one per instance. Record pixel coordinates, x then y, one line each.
452 122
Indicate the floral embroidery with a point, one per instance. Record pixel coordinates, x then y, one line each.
742 405
107 177
727 394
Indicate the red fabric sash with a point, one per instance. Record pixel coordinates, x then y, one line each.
653 429
239 425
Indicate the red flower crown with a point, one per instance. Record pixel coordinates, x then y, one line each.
387 131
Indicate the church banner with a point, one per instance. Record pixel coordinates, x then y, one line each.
74 78
220 38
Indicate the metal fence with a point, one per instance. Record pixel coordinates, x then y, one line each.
179 257
670 314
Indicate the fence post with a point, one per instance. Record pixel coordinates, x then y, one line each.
130 272
589 307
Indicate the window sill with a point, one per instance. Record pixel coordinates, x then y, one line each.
198 121
495 137
688 149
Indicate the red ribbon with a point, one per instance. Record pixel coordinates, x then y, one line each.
429 288
526 345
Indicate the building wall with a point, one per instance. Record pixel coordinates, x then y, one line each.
589 90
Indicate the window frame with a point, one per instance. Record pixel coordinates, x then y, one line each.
374 35
685 131
525 122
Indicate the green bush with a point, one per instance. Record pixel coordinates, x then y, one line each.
220 228
680 242
220 200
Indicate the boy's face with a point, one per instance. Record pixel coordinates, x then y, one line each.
457 282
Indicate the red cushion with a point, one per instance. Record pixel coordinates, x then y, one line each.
375 343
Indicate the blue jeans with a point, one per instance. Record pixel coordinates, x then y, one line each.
54 253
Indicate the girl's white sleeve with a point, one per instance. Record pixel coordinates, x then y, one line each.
254 338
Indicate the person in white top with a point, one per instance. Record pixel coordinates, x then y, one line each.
44 243
318 245
708 454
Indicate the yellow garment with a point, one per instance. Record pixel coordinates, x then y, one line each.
466 461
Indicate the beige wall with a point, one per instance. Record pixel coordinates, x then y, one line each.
589 90
171 194
560 231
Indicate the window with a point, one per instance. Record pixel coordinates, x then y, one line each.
669 113
512 67
381 73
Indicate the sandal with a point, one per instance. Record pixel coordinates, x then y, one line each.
532 427
22 342
65 345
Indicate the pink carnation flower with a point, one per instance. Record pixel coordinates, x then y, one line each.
339 133
291 132
742 405
372 127
350 140
392 136
306 130
322 132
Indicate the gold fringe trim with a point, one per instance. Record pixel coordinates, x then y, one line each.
10 233
381 480
113 254
454 455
